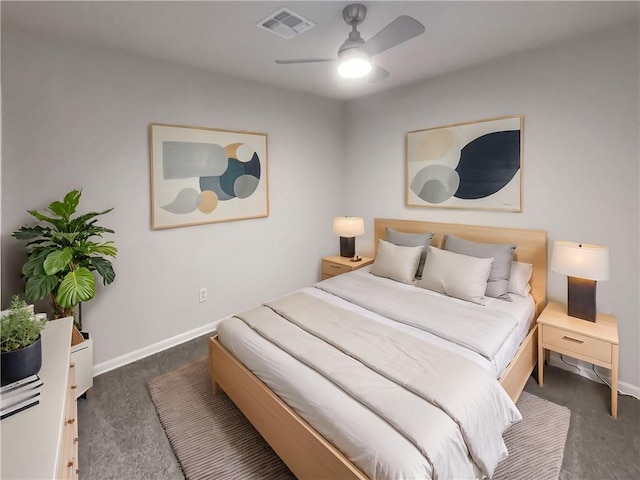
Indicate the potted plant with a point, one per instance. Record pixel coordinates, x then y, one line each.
20 342
62 256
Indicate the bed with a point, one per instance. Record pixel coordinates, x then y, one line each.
306 452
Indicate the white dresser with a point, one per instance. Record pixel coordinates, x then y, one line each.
42 441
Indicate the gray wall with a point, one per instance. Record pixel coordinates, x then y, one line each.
77 117
580 100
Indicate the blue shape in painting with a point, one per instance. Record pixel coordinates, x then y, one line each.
487 164
213 184
235 169
252 167
240 179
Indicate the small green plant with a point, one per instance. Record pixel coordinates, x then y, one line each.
62 255
19 327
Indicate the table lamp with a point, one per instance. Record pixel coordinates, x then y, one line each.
584 265
348 228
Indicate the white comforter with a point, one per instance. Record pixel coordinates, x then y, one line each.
371 443
467 324
385 369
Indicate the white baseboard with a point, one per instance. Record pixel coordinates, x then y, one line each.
584 370
122 360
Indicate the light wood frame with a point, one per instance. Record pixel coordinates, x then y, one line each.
307 454
480 128
210 208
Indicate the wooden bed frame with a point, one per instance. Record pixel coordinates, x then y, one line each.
307 454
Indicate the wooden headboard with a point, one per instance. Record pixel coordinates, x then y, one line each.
531 245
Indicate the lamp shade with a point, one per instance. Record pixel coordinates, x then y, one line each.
348 226
581 260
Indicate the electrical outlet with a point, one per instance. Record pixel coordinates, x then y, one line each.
203 295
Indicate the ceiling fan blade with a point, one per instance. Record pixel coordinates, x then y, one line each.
303 60
400 30
378 74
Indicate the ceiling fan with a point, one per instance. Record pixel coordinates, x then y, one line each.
354 56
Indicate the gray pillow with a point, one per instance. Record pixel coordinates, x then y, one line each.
498 283
411 240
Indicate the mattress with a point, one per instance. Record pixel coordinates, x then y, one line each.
369 442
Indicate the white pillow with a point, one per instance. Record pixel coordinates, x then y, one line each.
456 275
519 279
396 262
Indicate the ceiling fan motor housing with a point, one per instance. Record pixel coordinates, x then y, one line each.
354 14
354 41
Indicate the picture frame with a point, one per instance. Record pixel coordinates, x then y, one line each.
471 165
205 175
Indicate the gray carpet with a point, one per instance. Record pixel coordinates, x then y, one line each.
212 439
122 438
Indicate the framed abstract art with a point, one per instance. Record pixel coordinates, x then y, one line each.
474 165
205 175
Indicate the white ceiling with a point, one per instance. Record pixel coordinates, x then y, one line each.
223 37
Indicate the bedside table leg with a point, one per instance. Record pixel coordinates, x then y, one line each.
614 381
541 357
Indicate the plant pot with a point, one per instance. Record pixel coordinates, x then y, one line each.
77 336
21 363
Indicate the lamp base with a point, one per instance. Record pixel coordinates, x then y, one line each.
347 247
581 298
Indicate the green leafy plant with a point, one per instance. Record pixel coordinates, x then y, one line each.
19 328
62 255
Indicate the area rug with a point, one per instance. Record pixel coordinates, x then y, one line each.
213 440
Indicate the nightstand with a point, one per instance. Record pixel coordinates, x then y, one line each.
594 342
336 265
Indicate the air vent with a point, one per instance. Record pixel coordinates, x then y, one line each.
286 24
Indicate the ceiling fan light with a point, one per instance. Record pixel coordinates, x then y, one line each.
355 65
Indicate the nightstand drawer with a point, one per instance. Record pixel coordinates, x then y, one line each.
593 342
580 344
330 268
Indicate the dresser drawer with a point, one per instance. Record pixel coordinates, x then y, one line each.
576 343
332 269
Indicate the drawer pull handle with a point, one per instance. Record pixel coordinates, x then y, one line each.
335 266
70 421
75 440
73 387
575 340
70 464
